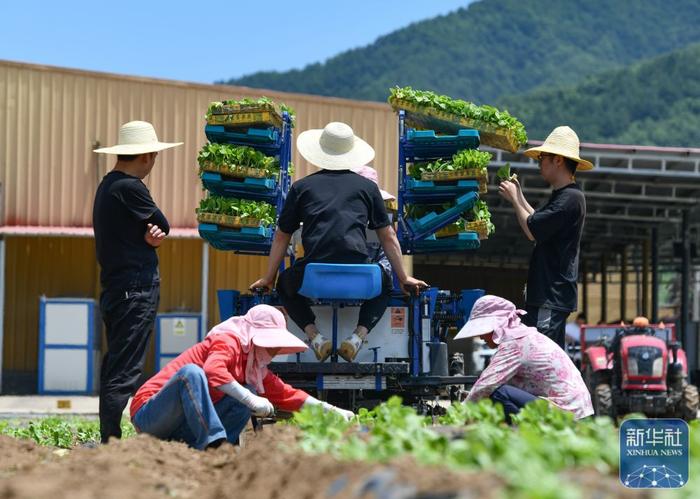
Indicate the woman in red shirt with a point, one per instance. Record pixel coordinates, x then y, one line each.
207 394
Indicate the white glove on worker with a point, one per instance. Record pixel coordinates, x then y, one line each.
347 415
259 406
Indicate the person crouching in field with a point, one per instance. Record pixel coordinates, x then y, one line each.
207 394
527 365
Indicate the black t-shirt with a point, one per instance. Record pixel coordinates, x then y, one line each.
557 227
335 207
123 208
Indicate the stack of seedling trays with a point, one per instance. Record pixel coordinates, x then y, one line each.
246 170
440 179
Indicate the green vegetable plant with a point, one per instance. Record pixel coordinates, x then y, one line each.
544 442
59 431
251 104
503 173
244 208
460 108
468 159
232 157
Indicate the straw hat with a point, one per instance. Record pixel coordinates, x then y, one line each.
137 137
563 141
370 173
335 147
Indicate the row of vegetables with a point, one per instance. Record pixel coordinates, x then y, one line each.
543 454
242 161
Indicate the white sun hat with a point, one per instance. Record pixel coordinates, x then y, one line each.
335 147
137 137
563 141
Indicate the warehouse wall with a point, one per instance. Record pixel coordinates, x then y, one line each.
66 267
52 118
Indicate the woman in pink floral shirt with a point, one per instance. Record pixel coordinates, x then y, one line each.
527 364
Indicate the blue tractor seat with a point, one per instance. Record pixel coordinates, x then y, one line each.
331 281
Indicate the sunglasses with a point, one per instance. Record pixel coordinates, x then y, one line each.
543 155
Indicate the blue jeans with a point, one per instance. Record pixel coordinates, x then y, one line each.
183 410
512 399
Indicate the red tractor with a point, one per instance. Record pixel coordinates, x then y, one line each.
637 368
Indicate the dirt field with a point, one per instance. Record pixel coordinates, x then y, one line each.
267 467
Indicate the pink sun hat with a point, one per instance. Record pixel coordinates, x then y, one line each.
371 174
491 314
262 326
269 330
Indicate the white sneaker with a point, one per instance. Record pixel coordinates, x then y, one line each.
321 347
350 346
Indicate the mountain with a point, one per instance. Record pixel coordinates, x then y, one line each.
495 48
655 102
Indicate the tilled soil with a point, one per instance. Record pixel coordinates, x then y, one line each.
269 466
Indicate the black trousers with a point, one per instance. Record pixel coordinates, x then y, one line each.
549 322
299 309
128 316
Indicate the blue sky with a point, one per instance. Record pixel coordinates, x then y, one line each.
195 42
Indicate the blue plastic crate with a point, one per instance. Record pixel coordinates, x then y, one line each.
249 239
428 191
434 221
426 144
248 188
222 134
460 242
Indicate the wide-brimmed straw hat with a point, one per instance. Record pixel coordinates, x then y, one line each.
335 147
563 141
137 137
370 173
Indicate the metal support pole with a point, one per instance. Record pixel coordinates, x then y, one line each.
584 304
2 303
654 275
645 278
204 327
685 279
623 283
604 287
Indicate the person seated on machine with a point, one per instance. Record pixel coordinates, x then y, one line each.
207 394
375 252
527 365
335 206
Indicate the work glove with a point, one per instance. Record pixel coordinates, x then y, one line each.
259 406
346 415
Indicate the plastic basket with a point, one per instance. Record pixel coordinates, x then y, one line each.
233 171
441 121
227 220
478 226
238 117
473 173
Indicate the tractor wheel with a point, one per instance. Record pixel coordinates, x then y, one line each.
689 403
603 401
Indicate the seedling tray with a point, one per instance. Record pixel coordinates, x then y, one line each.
460 242
245 136
245 239
227 220
478 226
420 191
249 188
433 221
428 118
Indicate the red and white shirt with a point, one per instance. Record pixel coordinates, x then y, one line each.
223 361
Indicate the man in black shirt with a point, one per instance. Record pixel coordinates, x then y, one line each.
128 228
335 207
556 228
